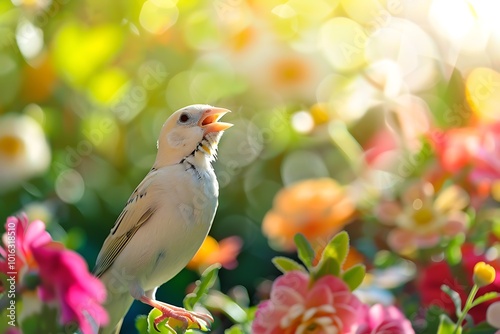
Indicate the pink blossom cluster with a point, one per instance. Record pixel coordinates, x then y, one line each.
62 275
325 306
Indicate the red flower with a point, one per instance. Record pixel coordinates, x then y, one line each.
327 306
474 147
64 276
440 273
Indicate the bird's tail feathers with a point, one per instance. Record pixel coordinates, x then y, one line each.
117 308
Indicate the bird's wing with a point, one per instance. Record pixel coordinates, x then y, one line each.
139 209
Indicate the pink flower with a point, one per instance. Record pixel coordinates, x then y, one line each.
380 319
18 240
13 331
65 279
63 274
327 306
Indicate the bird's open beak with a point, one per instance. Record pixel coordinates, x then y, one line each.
208 121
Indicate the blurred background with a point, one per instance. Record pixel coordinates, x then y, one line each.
335 89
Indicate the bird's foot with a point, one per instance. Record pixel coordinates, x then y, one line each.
187 319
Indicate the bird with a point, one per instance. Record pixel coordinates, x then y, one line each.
166 219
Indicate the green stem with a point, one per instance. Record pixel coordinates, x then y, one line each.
467 307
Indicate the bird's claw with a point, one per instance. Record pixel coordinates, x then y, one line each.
185 317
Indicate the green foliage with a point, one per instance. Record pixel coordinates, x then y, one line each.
446 326
327 266
141 324
354 276
484 298
304 250
163 328
482 328
453 252
206 281
285 264
238 329
455 298
330 263
337 248
46 321
432 320
217 301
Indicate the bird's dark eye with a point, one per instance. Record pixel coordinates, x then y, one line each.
184 118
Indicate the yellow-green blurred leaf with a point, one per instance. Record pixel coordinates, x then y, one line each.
80 51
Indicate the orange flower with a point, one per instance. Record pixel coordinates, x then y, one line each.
353 258
39 82
211 251
316 208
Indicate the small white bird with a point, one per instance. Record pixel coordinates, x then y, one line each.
166 218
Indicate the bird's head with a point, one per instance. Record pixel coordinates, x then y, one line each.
190 130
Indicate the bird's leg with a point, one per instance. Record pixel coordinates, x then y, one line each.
184 316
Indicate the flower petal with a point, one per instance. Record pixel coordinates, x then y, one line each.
452 198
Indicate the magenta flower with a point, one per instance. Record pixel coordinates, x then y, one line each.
326 306
18 240
380 319
64 277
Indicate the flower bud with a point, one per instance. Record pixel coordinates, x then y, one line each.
484 274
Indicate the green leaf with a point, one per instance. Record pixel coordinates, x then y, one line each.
484 298
304 250
337 248
453 251
205 282
432 319
495 227
455 298
239 329
46 321
446 326
354 276
329 266
216 300
236 329
285 264
162 327
482 328
141 324
251 313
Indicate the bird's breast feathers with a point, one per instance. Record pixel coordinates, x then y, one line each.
180 224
